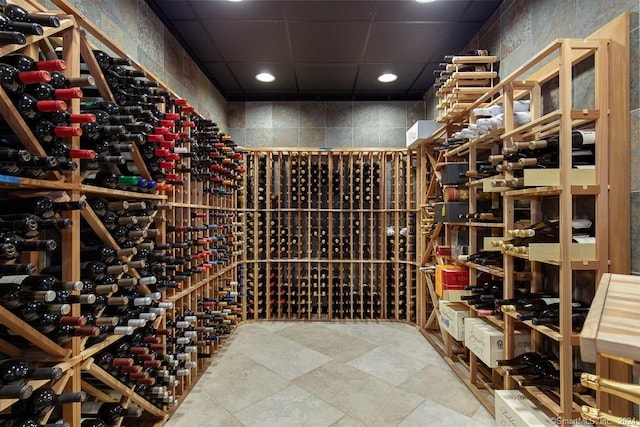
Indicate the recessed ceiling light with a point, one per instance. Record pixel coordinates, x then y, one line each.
387 77
265 77
419 1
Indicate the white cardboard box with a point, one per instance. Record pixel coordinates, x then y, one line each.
422 129
487 342
513 409
452 317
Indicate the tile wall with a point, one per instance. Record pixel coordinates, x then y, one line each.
336 124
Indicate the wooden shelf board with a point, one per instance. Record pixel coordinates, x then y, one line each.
65 22
16 324
548 331
116 385
108 192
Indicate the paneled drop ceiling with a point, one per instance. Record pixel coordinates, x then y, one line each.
322 50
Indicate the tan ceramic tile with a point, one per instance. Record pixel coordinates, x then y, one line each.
232 381
431 414
365 398
292 407
330 342
388 365
200 409
442 386
347 421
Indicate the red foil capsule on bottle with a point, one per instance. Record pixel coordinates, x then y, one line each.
82 154
70 93
82 118
68 131
52 65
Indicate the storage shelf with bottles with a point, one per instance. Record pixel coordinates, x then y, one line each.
106 226
527 197
319 218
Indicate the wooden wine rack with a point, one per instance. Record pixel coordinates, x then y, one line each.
604 199
338 245
76 358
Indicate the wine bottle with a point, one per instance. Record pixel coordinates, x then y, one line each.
42 400
627 391
20 14
524 359
107 411
12 370
43 207
544 367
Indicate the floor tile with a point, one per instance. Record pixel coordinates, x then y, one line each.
388 365
237 382
293 407
199 409
330 342
364 397
329 374
429 413
430 383
283 356
347 421
484 416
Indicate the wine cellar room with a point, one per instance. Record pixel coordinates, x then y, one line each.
319 213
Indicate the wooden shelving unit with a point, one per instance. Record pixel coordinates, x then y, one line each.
554 74
219 283
331 235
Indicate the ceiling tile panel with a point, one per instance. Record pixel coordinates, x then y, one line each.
404 42
368 76
325 77
411 11
198 40
250 42
329 10
222 75
229 11
176 9
480 10
328 42
283 71
324 49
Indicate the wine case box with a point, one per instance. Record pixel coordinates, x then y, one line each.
487 342
451 277
422 129
514 409
450 212
454 295
452 317
551 177
450 173
551 251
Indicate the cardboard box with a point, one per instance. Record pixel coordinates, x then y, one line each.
421 130
514 409
450 212
487 342
453 295
452 317
451 277
551 177
450 173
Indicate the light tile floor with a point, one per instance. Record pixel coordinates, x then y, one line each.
322 374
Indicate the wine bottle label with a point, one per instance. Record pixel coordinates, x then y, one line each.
15 280
91 407
550 301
